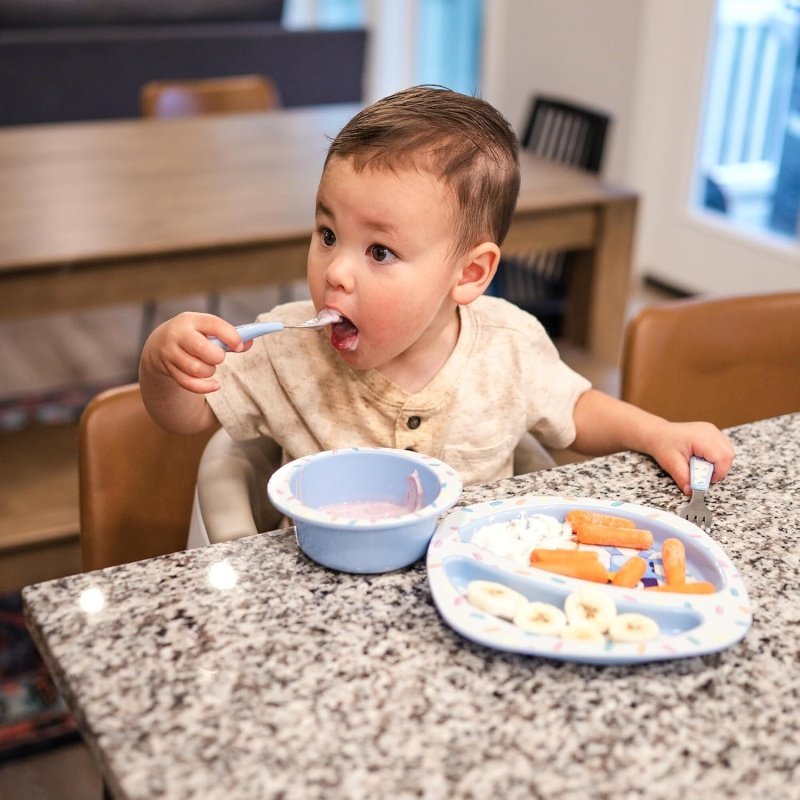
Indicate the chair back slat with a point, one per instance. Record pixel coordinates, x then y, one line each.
566 132
136 481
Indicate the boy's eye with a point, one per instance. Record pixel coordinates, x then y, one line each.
328 237
381 254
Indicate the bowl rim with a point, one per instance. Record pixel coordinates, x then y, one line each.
282 497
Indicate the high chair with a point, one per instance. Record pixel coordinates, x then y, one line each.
145 492
723 360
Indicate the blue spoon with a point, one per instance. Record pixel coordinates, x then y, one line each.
253 329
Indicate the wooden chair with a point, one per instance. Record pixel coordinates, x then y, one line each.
573 135
237 93
725 360
137 482
566 132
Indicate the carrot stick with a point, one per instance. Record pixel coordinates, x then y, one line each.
673 554
630 573
586 570
693 587
548 555
615 537
579 518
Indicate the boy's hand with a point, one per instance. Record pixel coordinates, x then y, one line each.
681 440
604 424
180 349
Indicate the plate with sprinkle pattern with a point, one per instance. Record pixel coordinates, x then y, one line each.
688 624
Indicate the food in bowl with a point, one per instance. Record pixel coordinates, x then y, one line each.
326 494
376 509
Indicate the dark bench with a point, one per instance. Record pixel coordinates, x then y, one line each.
66 67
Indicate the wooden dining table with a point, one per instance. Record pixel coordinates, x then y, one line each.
125 211
245 671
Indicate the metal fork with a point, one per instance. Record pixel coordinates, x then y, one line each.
695 510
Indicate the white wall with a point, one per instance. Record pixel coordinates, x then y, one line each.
643 61
586 51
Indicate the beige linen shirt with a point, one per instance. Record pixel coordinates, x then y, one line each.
503 378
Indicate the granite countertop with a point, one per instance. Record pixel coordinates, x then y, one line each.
297 682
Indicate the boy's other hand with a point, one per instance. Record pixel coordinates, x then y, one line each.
180 349
685 439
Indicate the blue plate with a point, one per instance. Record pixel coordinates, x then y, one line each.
690 625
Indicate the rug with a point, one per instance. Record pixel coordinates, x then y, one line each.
56 407
33 716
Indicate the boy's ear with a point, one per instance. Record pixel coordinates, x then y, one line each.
477 269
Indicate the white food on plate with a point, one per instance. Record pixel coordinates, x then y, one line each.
590 606
542 618
515 538
583 632
633 627
495 598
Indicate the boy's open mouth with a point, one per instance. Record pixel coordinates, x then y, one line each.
344 334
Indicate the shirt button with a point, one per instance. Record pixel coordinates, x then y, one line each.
413 423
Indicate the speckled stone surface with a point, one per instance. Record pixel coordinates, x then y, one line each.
302 683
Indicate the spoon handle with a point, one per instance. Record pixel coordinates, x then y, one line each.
250 331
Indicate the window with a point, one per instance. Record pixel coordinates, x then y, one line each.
449 40
323 13
748 167
429 41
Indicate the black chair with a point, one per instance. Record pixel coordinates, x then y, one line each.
569 134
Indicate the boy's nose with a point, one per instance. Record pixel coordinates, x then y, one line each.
339 273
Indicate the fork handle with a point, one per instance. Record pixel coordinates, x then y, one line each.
700 472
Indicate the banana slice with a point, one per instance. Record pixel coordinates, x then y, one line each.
592 606
541 618
583 632
495 598
633 627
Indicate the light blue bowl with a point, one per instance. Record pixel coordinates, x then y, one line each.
301 488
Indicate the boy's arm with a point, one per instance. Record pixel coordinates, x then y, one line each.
173 408
177 369
604 424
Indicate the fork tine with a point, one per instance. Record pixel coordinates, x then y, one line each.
696 510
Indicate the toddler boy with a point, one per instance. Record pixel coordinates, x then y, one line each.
416 196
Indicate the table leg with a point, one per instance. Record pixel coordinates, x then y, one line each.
600 283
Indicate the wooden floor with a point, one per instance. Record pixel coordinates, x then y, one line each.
68 773
38 473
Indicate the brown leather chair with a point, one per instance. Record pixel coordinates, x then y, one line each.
725 360
226 95
137 482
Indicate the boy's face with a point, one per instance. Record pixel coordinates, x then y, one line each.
381 254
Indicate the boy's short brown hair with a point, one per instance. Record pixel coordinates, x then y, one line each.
462 140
